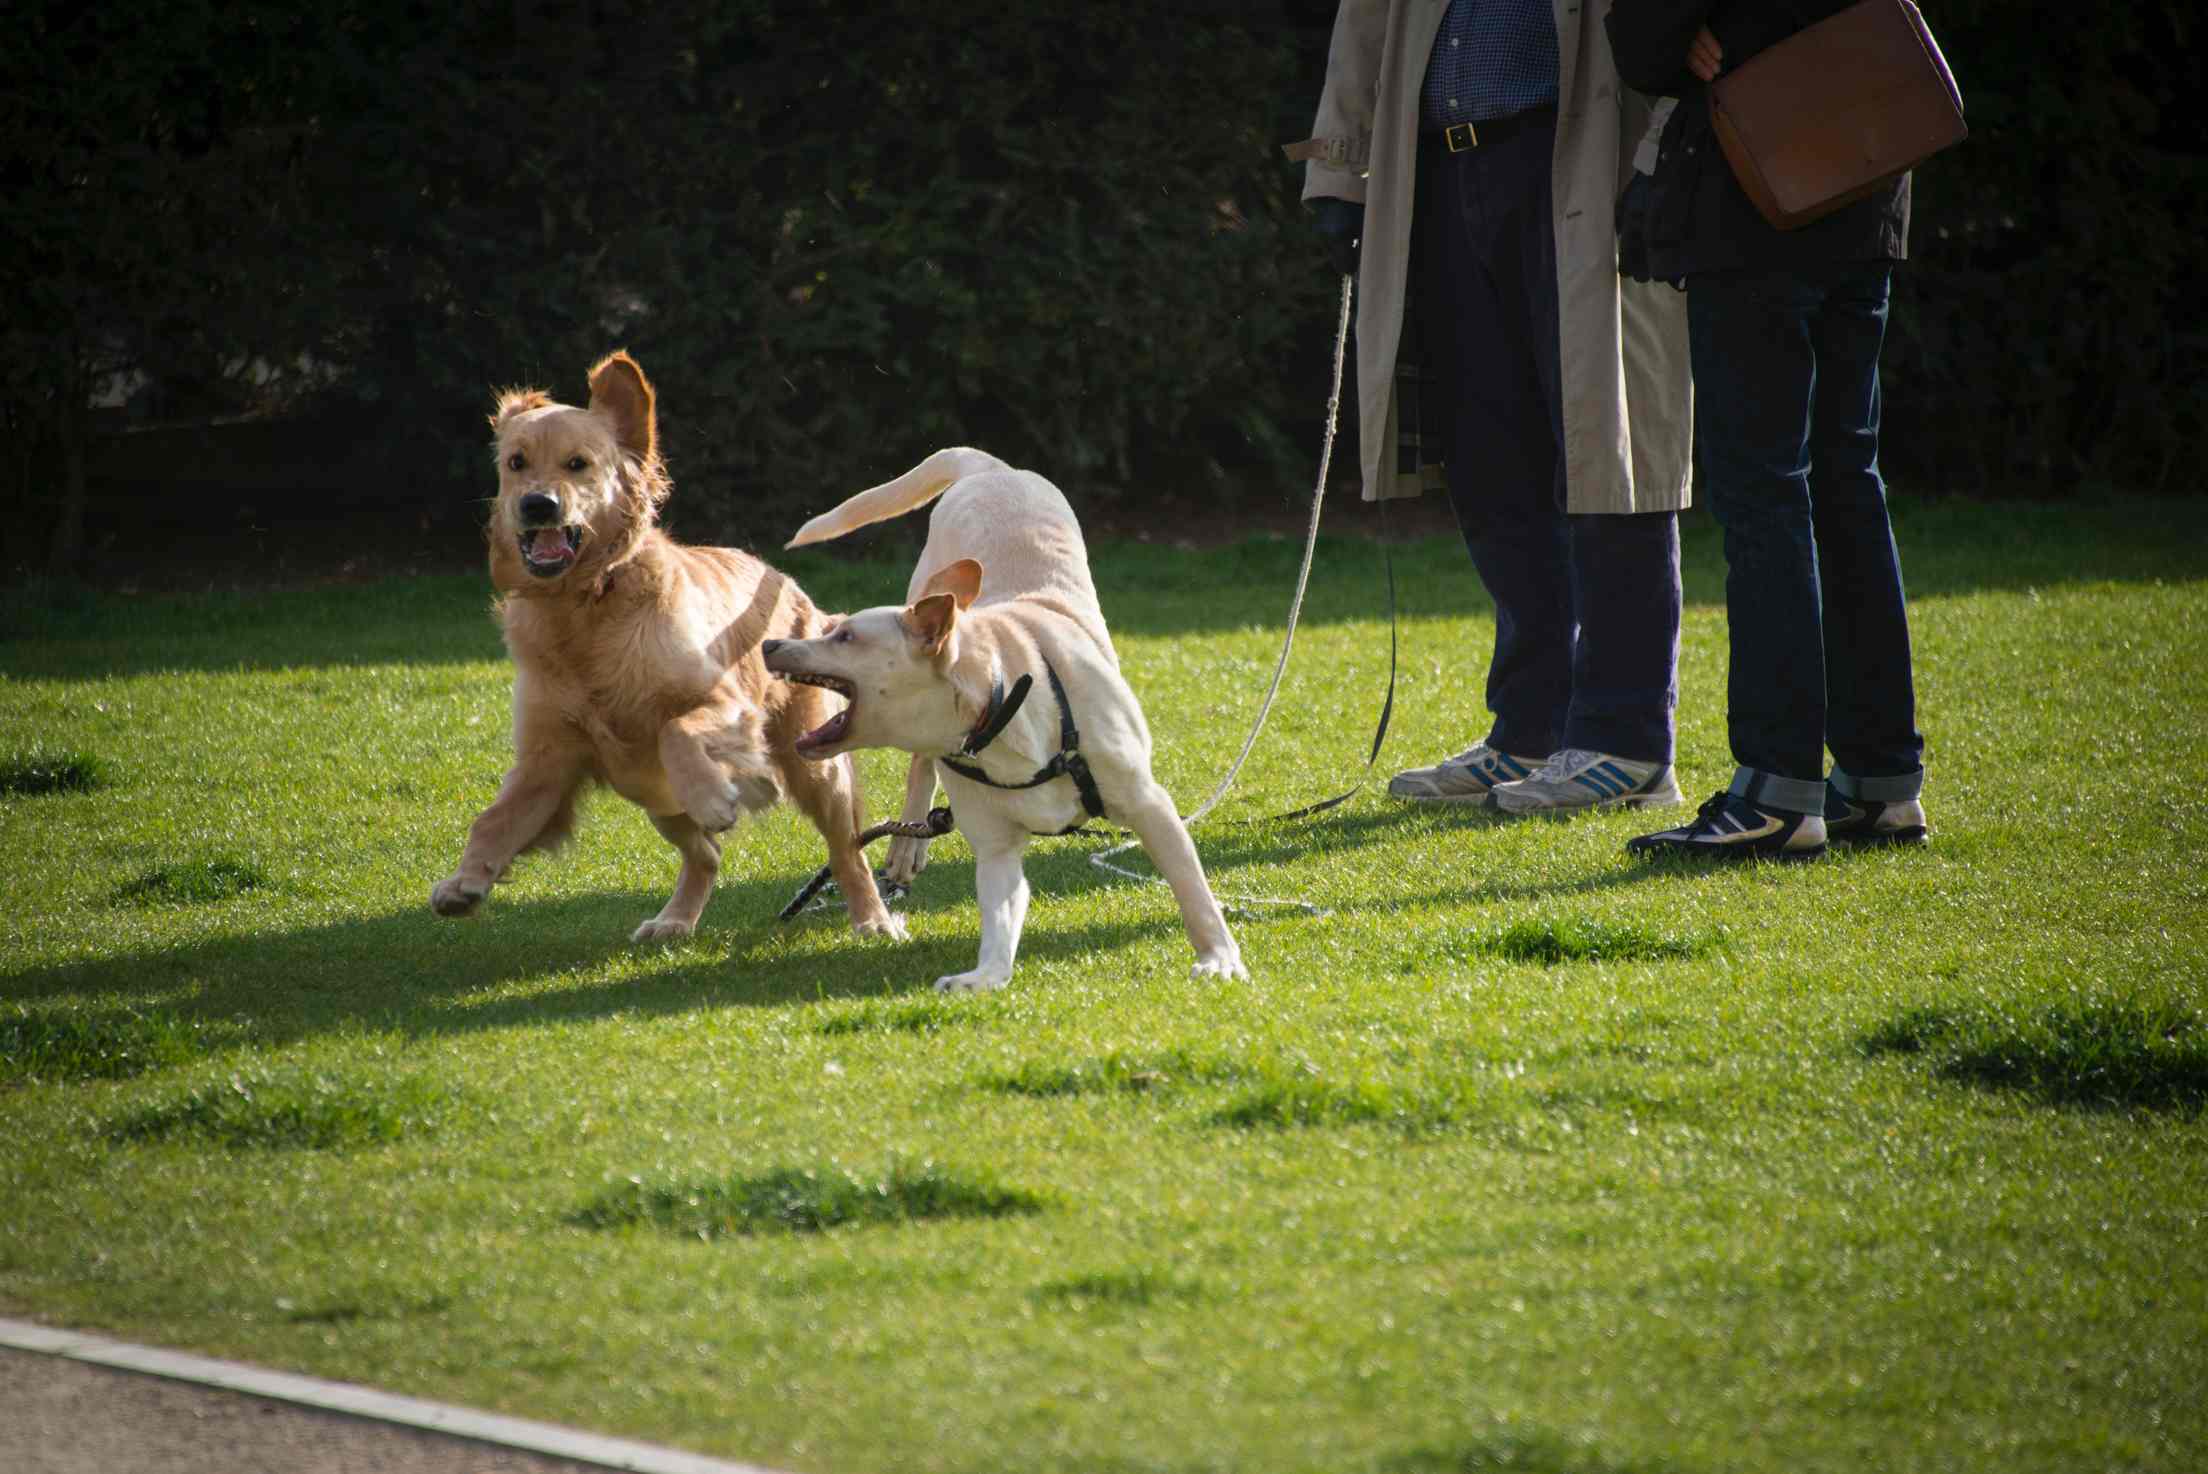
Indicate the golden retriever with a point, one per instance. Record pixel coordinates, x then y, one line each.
636 662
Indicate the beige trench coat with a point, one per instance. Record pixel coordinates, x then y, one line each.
1623 343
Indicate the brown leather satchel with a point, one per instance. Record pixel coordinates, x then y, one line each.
1834 111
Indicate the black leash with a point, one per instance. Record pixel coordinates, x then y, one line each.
936 825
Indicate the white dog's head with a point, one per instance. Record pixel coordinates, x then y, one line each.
577 488
893 667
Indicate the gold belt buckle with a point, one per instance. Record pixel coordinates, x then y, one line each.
1460 136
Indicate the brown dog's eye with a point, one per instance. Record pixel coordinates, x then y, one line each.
517 462
577 463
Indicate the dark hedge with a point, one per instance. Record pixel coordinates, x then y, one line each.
839 236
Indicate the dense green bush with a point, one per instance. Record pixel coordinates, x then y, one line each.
2050 329
839 236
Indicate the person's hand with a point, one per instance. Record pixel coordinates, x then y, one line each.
1704 56
1340 224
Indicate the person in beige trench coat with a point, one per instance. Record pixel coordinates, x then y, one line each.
1574 532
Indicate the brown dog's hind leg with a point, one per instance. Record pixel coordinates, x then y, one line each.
701 866
829 794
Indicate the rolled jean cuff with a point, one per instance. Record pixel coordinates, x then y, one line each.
1899 788
1770 791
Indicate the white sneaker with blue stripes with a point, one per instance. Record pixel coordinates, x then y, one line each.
1467 778
1575 779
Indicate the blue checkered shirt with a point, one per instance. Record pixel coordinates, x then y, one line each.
1491 59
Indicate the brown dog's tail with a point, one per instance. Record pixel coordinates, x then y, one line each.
916 488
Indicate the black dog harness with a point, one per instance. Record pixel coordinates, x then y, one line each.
1067 764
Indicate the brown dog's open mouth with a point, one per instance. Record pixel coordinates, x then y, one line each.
548 552
837 727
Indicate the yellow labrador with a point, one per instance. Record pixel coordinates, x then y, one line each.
999 677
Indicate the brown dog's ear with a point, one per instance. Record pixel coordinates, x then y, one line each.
620 392
931 620
961 580
512 402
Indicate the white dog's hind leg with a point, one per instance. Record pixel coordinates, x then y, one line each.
1150 813
701 866
1000 884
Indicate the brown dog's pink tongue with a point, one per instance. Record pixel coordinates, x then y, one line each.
548 543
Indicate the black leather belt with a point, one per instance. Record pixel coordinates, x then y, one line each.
1459 137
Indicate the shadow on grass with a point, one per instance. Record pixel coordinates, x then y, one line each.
2093 1055
102 1043
281 1107
1531 1451
804 1200
414 973
38 770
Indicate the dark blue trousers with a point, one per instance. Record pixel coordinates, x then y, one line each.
1586 607
1786 403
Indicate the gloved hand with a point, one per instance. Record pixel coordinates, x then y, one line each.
1341 225
1633 209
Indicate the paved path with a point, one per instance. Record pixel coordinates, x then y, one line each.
80 1404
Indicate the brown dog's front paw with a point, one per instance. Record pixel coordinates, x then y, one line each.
743 793
453 896
890 925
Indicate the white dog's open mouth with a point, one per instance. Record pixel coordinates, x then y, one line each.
838 727
550 551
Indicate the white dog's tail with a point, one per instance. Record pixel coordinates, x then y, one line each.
916 488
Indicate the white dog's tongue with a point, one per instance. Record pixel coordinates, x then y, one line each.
827 732
548 544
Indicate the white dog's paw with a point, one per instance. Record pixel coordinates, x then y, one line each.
891 925
660 929
907 858
1223 963
976 981
453 896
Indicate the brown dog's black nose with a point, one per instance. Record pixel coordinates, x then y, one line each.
540 510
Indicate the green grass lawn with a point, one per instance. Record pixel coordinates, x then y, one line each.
1515 1153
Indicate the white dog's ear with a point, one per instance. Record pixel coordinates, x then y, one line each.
961 580
620 392
512 402
931 620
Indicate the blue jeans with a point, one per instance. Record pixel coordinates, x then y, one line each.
1786 408
1586 606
